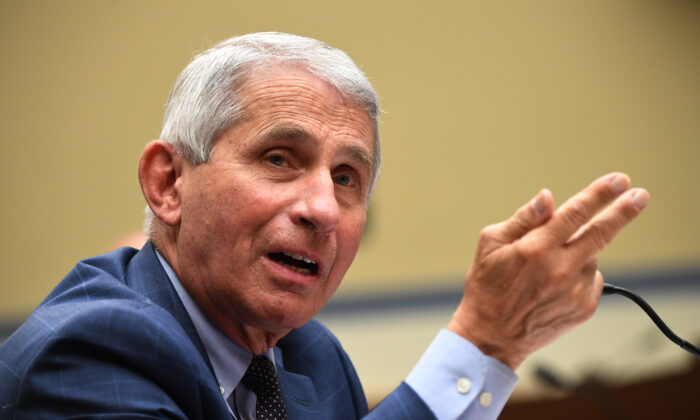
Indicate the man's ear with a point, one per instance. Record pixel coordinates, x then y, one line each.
160 176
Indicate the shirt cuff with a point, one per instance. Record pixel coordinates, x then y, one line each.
457 381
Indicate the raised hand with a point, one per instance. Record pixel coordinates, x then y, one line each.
535 276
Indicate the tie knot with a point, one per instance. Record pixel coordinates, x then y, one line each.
261 377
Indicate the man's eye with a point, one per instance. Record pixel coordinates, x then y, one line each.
344 180
276 160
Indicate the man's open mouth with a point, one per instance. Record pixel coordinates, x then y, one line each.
295 262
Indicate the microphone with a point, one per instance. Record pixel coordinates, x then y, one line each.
609 289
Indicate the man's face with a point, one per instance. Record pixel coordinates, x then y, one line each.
271 223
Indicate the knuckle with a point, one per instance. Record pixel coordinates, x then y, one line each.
561 273
600 235
520 254
533 250
488 232
520 220
577 214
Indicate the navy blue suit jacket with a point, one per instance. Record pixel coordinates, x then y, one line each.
113 340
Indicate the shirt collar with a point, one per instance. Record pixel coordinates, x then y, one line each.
228 359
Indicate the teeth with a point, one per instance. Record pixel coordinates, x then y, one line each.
299 257
297 269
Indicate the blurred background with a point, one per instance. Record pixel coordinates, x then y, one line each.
484 104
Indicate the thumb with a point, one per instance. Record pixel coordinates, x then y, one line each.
529 216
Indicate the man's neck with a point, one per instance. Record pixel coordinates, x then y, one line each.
254 340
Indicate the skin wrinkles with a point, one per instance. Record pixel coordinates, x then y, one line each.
291 176
539 268
300 136
296 133
329 116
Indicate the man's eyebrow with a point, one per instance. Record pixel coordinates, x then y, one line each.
285 132
360 154
300 135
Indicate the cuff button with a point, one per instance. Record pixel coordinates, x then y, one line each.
485 399
463 385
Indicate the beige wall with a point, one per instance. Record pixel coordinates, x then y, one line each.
486 102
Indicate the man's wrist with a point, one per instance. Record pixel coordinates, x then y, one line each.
484 342
453 374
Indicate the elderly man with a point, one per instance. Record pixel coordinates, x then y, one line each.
257 194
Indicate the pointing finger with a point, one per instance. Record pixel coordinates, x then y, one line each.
580 208
602 229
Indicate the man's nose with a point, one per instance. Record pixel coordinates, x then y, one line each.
317 208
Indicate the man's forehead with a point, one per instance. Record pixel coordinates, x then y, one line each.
263 81
267 90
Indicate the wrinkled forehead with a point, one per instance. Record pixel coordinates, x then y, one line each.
271 69
266 75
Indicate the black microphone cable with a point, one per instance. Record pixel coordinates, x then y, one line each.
609 289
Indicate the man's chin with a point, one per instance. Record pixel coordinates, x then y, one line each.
282 322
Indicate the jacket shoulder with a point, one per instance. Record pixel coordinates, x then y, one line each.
110 356
96 345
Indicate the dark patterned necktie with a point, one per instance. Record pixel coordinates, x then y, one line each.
261 378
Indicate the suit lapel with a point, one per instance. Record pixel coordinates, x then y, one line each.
299 394
146 275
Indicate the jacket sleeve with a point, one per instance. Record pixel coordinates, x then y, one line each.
402 404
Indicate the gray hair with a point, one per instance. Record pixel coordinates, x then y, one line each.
206 98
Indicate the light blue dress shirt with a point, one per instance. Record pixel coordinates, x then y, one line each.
454 378
457 381
228 359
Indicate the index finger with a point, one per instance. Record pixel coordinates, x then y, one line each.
597 234
580 208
